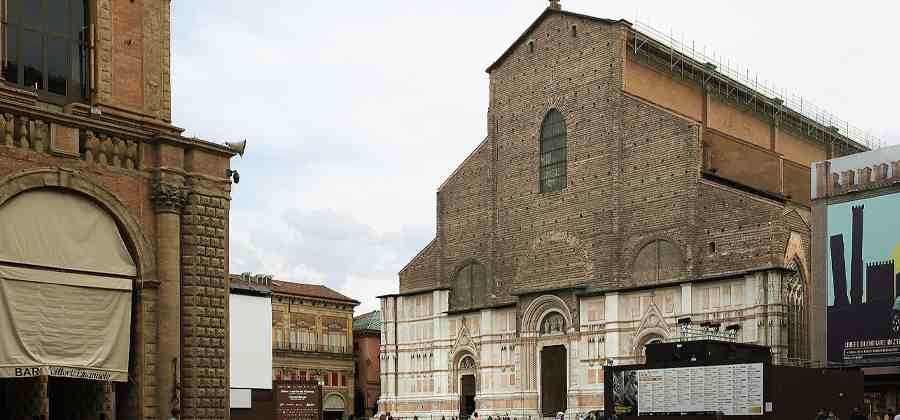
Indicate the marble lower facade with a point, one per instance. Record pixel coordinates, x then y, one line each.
520 353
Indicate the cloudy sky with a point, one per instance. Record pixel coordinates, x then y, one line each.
355 111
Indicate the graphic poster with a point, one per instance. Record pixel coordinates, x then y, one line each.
624 392
863 313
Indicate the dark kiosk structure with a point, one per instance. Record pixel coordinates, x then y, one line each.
703 378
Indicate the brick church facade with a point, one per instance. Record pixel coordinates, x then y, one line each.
621 187
140 221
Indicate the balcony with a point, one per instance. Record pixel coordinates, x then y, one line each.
340 351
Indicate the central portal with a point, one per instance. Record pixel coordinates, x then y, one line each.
553 380
466 396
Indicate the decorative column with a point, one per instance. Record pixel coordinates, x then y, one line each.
169 196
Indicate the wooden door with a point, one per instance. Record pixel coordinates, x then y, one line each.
553 380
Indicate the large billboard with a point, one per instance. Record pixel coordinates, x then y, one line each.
250 329
733 390
863 321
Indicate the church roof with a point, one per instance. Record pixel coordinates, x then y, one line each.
548 12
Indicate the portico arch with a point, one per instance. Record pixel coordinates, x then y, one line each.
100 276
73 181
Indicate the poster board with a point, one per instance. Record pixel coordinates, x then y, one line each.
298 400
734 390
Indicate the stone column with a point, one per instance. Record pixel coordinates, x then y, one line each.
169 196
109 400
42 382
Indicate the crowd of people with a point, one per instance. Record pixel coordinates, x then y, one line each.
857 414
592 415
822 414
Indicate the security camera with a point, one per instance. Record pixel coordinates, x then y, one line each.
231 173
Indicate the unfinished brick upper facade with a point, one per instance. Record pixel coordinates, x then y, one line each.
652 155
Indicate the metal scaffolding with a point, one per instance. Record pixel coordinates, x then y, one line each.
724 80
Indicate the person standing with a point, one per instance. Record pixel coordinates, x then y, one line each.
896 416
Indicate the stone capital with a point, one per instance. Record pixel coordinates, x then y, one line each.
168 197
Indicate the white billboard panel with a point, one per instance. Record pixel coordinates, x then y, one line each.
250 333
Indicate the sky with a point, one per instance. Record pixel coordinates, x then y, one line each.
356 111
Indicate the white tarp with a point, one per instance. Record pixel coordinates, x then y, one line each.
55 319
250 329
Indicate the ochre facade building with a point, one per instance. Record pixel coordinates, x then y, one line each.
115 224
622 186
367 361
312 338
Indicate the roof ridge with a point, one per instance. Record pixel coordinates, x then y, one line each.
295 288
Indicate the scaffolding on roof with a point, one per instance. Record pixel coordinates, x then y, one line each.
792 112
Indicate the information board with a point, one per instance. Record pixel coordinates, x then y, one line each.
734 390
298 400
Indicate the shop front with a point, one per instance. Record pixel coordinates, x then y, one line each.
66 277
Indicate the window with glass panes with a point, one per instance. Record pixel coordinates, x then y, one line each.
45 47
553 152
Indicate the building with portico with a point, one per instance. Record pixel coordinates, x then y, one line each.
113 225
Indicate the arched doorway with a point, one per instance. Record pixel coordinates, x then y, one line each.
640 351
467 386
554 367
334 407
66 279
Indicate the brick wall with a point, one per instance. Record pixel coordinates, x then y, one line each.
550 239
634 176
133 50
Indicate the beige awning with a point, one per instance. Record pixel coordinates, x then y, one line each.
65 289
59 230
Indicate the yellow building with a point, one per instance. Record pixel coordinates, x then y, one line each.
312 338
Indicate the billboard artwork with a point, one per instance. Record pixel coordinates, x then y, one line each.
863 315
624 391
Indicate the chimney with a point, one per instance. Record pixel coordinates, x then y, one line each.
554 5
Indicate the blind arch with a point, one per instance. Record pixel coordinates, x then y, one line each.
470 285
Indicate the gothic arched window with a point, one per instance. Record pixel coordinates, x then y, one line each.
553 152
793 295
469 286
553 323
657 261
